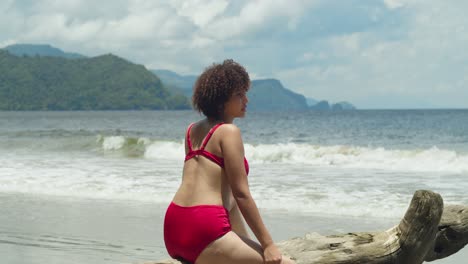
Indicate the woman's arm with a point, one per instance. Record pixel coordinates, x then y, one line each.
237 221
233 154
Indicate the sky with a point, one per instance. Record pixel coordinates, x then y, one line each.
371 53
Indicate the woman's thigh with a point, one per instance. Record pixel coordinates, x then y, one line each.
231 249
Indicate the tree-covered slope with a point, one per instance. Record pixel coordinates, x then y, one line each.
40 50
270 95
182 83
101 83
264 95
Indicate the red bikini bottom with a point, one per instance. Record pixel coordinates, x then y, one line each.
189 230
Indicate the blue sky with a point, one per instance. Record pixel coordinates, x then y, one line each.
372 53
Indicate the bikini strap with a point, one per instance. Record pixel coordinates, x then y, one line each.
210 133
189 143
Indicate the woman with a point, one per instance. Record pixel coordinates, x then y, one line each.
203 223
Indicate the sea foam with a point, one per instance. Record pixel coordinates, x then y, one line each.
341 156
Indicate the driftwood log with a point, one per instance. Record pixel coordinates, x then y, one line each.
427 232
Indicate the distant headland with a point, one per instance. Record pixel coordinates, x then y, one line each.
42 77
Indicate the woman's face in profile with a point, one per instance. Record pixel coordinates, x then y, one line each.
236 106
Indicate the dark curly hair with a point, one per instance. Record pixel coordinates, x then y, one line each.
215 86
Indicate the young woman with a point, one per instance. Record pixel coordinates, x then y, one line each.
204 222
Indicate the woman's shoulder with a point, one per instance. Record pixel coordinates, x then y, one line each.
222 128
229 128
229 132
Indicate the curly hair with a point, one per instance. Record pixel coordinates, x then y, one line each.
216 85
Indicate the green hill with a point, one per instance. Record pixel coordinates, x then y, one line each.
325 105
42 77
264 95
100 83
270 95
40 50
181 83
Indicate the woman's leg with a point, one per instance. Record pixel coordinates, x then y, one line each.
237 221
229 249
232 249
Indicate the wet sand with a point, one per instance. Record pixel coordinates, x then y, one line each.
47 229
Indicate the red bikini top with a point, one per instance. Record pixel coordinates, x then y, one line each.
202 152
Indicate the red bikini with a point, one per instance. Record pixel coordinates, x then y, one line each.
189 230
202 152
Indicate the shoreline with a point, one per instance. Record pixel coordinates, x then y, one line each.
36 229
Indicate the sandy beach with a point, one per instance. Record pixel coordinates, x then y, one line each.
92 187
48 229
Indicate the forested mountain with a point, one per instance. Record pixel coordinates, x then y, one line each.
100 83
264 95
40 50
42 77
270 95
182 83
325 105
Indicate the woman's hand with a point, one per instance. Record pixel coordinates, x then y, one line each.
271 254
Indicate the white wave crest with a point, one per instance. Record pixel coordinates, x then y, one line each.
433 159
113 142
165 150
341 156
143 147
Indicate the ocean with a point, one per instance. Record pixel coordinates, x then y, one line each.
92 187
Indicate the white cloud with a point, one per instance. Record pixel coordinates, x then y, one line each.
395 48
5 5
346 44
47 26
392 4
312 57
200 12
202 42
424 63
257 15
